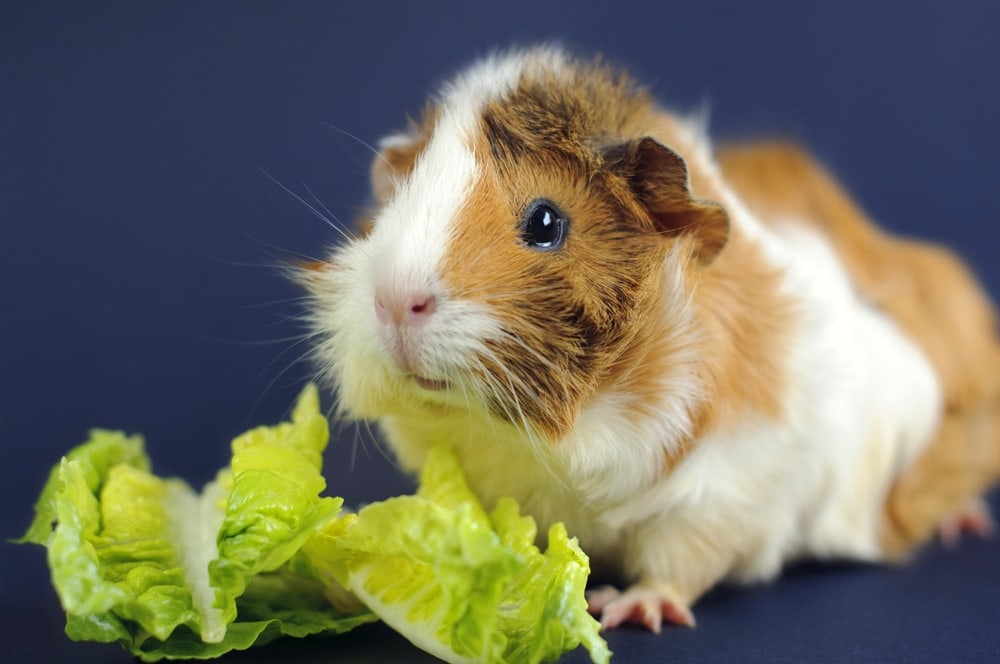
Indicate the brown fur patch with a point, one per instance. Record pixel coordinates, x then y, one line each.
567 313
591 315
745 362
658 178
932 297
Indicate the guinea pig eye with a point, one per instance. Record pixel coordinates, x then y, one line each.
543 226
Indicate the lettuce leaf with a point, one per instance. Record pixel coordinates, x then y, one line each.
171 573
168 572
462 584
545 612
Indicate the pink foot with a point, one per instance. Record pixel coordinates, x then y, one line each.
974 518
639 605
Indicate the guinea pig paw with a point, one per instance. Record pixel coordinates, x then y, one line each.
974 518
639 605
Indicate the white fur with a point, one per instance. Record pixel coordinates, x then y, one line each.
496 76
861 402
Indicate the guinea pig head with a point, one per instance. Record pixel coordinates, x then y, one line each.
509 267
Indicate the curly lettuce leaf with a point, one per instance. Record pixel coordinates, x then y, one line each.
544 612
459 583
258 553
273 503
169 572
104 450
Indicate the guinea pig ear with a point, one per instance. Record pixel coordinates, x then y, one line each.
396 155
658 177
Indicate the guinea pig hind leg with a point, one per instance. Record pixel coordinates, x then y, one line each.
641 604
974 518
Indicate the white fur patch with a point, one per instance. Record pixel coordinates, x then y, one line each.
402 255
496 76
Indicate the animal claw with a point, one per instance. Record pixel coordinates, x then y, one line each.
640 605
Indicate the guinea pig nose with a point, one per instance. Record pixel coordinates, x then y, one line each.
413 309
420 307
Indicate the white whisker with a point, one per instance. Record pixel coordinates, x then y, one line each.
282 265
298 299
370 147
326 210
312 208
299 359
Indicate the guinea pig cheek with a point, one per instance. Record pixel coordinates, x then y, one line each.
511 369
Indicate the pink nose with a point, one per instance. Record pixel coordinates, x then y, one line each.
413 310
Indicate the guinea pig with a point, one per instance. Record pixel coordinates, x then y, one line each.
706 363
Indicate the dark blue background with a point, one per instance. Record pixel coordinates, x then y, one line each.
140 239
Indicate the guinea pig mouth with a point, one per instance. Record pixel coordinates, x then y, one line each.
430 384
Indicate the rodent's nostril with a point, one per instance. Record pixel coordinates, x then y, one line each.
413 310
419 308
422 305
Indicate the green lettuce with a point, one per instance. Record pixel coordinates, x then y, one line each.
169 572
259 553
462 584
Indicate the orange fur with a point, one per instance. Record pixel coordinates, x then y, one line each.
932 297
747 333
742 352
744 331
573 315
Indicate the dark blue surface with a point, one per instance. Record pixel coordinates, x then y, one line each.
139 240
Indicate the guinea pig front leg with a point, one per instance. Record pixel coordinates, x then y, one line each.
675 562
645 603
